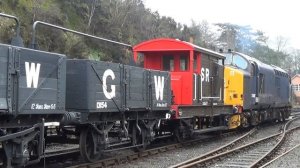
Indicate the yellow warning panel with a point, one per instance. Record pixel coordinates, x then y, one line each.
234 121
233 86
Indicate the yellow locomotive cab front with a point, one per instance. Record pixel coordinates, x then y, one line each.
233 93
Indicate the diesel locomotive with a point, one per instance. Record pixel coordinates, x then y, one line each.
257 91
183 89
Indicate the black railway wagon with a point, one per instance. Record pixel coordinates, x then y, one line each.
32 91
113 100
96 86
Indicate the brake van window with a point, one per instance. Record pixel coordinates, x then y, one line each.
168 63
183 63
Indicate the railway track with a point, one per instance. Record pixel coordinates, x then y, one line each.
63 154
57 156
291 144
253 154
219 150
282 155
118 160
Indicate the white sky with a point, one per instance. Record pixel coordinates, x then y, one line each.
274 17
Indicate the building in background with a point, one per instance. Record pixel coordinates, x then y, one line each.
296 89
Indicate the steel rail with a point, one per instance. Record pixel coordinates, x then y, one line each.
216 151
130 157
211 158
287 152
278 144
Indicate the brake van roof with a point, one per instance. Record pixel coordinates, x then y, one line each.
167 44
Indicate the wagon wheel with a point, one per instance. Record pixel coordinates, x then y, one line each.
138 139
89 147
179 135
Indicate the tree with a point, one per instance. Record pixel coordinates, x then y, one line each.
228 35
281 43
91 10
202 34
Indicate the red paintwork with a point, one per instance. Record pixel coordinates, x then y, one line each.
162 44
181 81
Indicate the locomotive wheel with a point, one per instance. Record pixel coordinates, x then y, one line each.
281 116
138 139
245 122
89 149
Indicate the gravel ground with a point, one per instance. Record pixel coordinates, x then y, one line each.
179 155
295 123
169 158
291 159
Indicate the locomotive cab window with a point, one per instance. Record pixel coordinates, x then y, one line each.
240 62
236 60
168 63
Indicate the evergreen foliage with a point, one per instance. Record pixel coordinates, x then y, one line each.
128 21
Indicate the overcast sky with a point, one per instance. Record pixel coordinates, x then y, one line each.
274 17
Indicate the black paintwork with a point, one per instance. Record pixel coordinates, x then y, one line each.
135 87
16 97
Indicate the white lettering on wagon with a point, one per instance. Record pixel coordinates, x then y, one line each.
112 93
32 74
37 106
162 105
159 82
101 105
